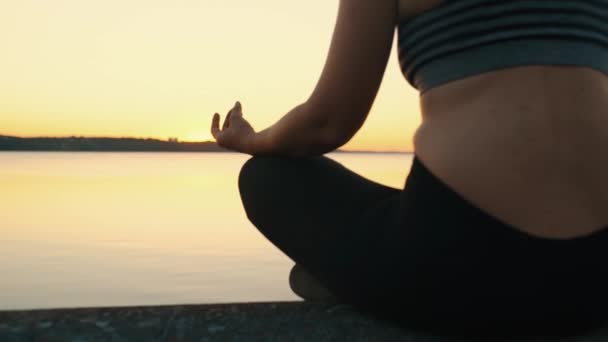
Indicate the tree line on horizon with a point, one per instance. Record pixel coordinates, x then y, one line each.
74 143
10 143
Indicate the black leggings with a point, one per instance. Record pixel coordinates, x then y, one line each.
424 256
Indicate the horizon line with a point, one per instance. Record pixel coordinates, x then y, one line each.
181 141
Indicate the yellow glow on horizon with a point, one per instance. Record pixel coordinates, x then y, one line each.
161 68
196 136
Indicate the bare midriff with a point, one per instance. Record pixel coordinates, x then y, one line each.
528 145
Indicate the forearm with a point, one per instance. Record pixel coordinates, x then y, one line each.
299 133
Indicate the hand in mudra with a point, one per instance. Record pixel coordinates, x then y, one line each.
236 133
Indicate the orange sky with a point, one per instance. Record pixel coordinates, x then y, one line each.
161 68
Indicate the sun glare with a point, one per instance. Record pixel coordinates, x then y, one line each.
197 136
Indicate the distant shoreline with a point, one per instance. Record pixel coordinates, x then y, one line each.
103 144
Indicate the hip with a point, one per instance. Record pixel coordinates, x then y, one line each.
525 144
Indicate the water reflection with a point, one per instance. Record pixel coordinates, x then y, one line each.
90 229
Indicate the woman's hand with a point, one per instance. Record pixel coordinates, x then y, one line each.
236 133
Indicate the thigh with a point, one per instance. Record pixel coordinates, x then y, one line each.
317 211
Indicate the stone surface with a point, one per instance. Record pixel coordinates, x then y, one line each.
295 321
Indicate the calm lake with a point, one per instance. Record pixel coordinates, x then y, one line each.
115 229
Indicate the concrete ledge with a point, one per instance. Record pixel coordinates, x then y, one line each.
293 321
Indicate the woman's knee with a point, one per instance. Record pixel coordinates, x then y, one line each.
252 174
262 172
269 183
254 184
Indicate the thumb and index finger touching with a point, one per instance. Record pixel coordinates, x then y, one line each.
236 111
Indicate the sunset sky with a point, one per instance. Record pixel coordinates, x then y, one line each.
161 68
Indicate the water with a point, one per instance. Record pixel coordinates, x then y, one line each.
116 229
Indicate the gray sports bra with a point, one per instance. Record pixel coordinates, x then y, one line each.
461 38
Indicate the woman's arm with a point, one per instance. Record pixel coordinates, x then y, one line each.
344 94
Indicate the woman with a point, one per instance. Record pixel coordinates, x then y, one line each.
503 220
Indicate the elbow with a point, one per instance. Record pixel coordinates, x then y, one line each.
334 136
335 126
342 127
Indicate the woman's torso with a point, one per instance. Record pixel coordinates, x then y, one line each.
525 144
